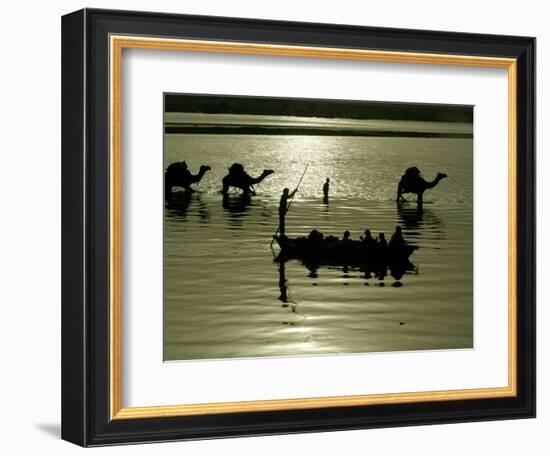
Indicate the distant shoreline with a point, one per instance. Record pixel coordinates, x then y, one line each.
304 131
308 107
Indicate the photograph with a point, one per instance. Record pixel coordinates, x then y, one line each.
300 227
292 223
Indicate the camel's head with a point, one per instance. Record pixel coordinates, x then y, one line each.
267 172
205 168
441 176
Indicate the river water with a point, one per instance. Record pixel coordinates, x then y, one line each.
225 297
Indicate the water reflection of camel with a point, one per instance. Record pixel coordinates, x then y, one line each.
237 203
239 178
179 203
237 209
414 218
178 175
413 182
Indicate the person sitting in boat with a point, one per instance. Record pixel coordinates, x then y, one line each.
397 241
330 239
346 239
382 241
315 239
368 239
315 236
283 209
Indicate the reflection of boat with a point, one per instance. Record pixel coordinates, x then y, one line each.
333 252
369 270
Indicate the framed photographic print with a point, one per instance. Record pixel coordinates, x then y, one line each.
275 227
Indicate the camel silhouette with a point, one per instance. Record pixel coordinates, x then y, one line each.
178 175
413 182
239 178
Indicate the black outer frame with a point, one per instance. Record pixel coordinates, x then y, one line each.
85 227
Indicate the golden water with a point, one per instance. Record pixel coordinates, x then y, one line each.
226 297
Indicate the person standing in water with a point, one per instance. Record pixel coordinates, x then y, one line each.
326 187
283 209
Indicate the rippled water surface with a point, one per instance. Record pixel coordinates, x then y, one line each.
226 297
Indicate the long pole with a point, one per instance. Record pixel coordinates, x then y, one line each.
290 202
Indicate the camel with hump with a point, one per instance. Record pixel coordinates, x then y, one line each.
413 182
178 175
239 178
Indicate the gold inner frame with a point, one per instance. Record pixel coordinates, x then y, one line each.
117 44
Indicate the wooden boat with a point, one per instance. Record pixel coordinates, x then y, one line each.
332 251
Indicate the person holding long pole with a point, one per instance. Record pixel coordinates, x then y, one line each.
283 208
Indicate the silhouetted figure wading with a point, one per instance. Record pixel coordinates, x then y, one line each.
326 188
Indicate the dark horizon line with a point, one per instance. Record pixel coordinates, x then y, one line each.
305 131
325 108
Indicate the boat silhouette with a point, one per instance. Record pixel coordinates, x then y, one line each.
335 252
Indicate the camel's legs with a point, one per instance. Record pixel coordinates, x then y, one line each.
225 188
167 190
